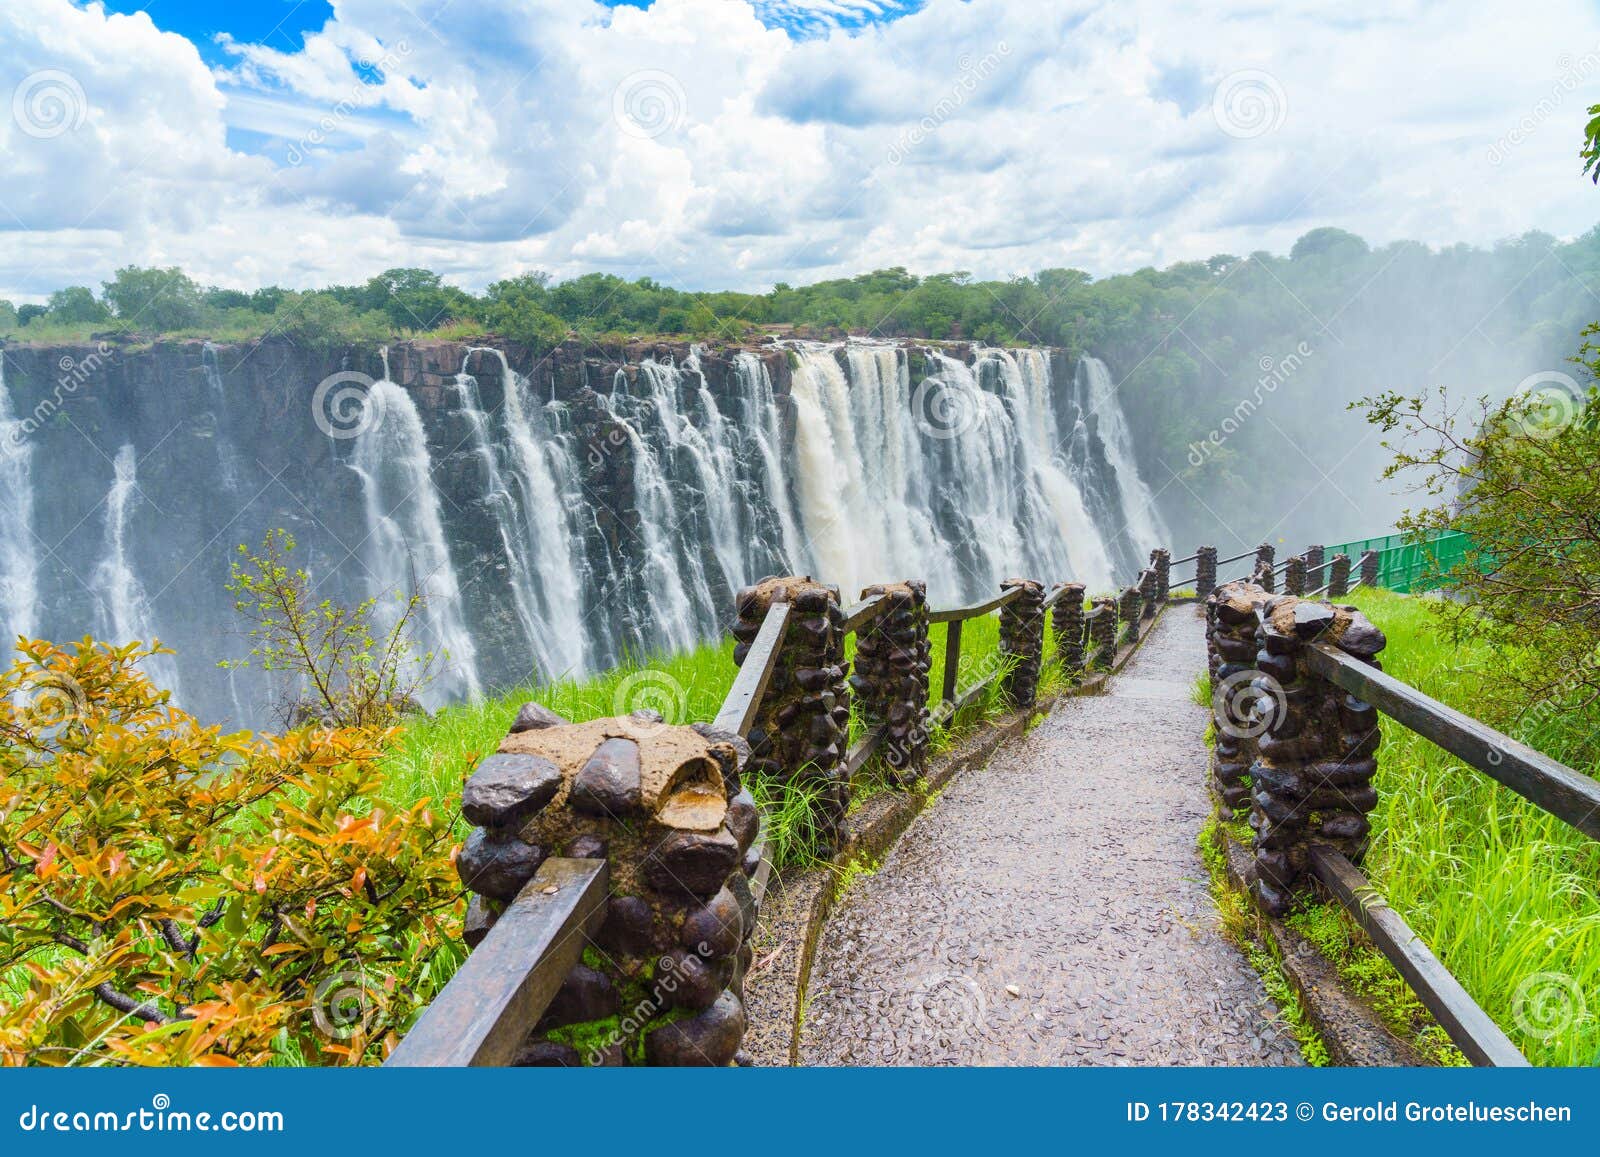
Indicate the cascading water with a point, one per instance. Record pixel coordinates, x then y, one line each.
1143 527
405 547
227 453
763 424
124 611
19 557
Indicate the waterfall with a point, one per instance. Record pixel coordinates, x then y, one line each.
1097 395
123 608
538 525
405 548
227 454
19 558
763 423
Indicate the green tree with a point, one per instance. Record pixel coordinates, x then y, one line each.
76 303
152 299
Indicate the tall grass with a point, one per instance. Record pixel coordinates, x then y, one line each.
1506 895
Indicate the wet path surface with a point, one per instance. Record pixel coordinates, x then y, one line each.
1052 908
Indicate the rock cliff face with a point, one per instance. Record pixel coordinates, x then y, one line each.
557 511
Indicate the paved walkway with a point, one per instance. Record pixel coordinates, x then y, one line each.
1052 908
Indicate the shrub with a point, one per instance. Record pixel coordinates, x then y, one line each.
173 895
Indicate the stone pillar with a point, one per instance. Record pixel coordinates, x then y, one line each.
1268 554
1231 653
1129 606
1294 576
1314 562
1022 640
801 731
662 982
1149 593
1161 563
1338 576
890 680
1264 577
1205 571
1067 620
1369 568
1311 780
1102 626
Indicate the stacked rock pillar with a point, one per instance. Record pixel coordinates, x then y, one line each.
1314 557
1338 576
1294 576
1231 652
1369 568
1149 593
1161 563
662 982
1022 640
1102 627
801 732
890 680
1067 620
1311 781
1205 571
1265 575
1129 606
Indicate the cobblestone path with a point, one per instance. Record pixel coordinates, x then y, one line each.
1052 908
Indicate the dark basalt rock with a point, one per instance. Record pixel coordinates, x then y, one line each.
710 1038
685 979
497 865
584 995
743 819
546 1054
506 790
695 862
535 717
715 930
629 929
480 918
609 784
587 847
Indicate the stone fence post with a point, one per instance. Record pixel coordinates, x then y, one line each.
801 731
1128 607
1102 626
1161 563
1312 776
1067 620
1205 571
1231 654
1022 640
663 983
1314 556
1149 593
1264 577
1338 576
892 664
1295 576
1369 568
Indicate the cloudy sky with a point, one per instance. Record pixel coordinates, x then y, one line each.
735 143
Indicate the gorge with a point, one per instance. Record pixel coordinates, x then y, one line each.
560 513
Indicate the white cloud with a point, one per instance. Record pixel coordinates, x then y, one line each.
999 136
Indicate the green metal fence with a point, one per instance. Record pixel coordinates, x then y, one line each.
1406 566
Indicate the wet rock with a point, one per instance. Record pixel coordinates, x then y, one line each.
628 929
584 995
709 1038
699 807
480 918
506 790
497 865
609 783
535 717
587 847
744 819
716 929
685 979
696 862
546 1054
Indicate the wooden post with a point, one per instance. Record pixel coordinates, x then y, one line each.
952 661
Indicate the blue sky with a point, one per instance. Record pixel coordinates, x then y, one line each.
738 143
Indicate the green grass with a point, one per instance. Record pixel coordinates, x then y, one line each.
1503 893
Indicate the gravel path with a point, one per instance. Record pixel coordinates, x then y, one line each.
1052 908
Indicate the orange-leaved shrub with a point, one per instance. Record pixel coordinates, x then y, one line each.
172 895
